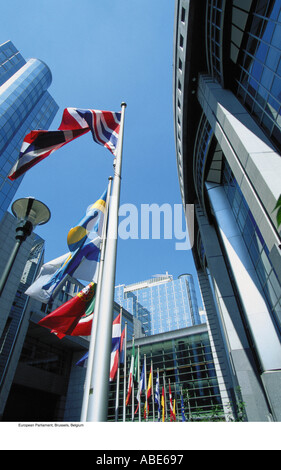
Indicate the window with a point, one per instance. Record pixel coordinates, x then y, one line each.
183 15
254 242
259 69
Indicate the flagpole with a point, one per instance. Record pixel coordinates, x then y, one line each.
176 401
145 386
152 392
133 384
99 386
118 374
125 367
170 400
182 407
159 399
189 408
96 309
163 402
164 380
139 382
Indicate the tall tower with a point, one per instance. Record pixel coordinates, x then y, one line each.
25 104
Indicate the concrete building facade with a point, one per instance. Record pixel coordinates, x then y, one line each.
227 102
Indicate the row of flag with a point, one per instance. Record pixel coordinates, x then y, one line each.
83 240
147 388
75 317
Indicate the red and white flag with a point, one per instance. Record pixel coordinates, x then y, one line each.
172 413
39 144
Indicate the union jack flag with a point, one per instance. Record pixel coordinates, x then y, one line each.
39 144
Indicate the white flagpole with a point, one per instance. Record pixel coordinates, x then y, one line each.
145 386
125 368
118 374
176 401
164 381
96 310
139 374
98 397
152 392
133 385
159 397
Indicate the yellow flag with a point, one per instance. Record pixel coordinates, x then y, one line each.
163 405
149 390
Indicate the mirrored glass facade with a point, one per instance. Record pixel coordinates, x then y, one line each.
255 243
25 104
162 303
259 64
254 71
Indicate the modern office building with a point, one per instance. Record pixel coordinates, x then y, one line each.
161 303
12 301
25 104
227 101
184 361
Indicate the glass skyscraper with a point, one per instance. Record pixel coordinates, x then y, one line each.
227 106
25 104
162 303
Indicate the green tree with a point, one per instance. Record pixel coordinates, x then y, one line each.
278 208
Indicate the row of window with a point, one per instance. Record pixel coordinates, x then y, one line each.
187 365
259 82
255 49
215 17
201 148
255 244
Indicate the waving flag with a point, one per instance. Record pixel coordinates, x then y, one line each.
117 344
83 361
163 404
140 389
131 376
46 272
172 414
149 390
182 409
83 259
84 325
64 319
115 350
174 411
157 395
39 144
122 347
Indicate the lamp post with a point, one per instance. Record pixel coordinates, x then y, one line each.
29 213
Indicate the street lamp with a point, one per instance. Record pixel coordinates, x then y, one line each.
29 213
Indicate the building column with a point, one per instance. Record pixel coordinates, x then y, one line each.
265 339
228 328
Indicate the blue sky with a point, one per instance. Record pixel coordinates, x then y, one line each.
102 53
